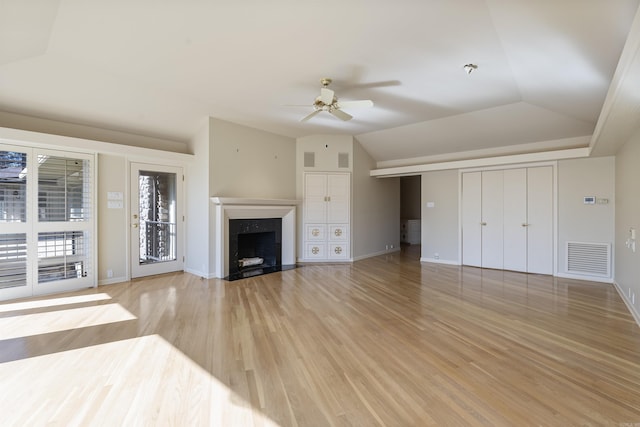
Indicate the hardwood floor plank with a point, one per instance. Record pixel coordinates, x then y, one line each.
384 341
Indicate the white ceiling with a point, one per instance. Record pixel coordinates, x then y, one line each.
159 68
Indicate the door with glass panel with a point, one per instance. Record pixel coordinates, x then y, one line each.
156 219
47 222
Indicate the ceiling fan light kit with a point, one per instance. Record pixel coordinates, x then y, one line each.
328 101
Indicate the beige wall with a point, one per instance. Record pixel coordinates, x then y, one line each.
198 206
579 222
112 223
627 267
246 162
375 220
440 241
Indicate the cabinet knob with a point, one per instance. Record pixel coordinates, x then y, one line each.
338 250
315 250
338 232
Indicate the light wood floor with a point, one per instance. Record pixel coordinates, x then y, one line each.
385 341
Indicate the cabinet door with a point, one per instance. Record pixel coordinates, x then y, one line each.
471 219
515 219
492 219
315 193
540 220
338 251
338 190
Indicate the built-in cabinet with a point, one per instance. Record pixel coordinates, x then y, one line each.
507 219
326 216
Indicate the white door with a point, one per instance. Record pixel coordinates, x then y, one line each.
515 219
492 219
540 220
471 219
315 198
156 219
338 192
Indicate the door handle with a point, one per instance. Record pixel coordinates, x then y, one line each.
524 224
483 223
134 225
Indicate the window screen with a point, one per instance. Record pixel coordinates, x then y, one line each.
13 186
63 189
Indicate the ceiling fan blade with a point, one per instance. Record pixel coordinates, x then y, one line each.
341 115
304 119
356 104
326 96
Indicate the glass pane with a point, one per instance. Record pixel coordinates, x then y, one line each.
13 260
63 189
62 255
13 186
157 216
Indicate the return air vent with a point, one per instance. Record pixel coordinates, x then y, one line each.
309 159
343 160
593 259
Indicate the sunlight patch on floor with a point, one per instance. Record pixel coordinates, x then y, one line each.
139 381
62 320
52 302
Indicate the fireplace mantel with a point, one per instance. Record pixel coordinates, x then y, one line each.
243 208
253 202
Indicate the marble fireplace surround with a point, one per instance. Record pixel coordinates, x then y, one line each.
240 208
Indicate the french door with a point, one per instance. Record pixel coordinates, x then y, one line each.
47 221
156 219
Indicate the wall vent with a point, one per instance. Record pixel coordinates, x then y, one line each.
592 259
343 160
309 159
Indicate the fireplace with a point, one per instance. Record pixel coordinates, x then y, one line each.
259 218
255 246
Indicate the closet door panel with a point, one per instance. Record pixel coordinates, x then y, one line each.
315 203
515 219
471 219
492 219
339 191
540 220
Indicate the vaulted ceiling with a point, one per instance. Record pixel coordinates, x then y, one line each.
159 68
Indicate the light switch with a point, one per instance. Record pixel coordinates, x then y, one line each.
431 204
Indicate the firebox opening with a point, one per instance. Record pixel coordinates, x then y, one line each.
255 247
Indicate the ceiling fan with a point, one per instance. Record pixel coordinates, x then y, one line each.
328 101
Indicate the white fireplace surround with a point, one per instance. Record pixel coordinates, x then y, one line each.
239 208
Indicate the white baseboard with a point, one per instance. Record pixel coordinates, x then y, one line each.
440 261
634 312
371 255
200 273
584 277
112 281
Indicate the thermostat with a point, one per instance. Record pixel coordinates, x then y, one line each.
589 200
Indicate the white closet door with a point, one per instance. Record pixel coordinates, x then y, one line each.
540 220
471 219
338 191
515 219
492 219
315 193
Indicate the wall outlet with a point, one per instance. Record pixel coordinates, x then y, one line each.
436 255
387 247
391 246
109 274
